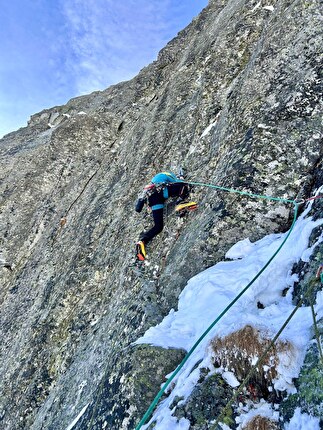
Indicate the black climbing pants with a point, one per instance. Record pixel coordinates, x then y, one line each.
158 216
176 189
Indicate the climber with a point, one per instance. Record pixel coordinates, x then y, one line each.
162 186
319 273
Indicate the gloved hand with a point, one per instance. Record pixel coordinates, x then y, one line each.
139 205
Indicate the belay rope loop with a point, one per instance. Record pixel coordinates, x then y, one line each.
190 352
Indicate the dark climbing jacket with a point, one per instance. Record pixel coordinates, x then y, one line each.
162 186
157 192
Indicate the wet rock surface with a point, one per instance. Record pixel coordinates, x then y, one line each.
236 99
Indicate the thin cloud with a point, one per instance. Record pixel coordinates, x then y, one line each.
74 47
110 42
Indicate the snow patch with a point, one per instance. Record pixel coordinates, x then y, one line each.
256 7
262 409
209 127
230 379
263 126
78 417
270 8
240 249
302 422
207 294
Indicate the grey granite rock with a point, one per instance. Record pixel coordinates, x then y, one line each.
236 98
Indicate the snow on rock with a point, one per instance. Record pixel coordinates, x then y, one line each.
262 409
209 127
230 379
211 291
302 421
240 249
270 8
72 425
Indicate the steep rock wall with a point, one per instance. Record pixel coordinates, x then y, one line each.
236 99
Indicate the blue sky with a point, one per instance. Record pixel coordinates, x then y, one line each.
53 50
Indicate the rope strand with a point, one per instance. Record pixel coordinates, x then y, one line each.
190 352
262 358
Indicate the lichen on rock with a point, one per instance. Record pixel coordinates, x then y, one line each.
236 98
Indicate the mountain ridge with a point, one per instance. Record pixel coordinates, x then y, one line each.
236 99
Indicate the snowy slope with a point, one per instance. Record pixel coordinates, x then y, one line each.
208 293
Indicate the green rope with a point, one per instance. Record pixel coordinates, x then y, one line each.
242 193
190 352
259 362
255 366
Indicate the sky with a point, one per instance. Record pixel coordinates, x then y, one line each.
54 50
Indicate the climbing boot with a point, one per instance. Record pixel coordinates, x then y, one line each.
140 250
184 208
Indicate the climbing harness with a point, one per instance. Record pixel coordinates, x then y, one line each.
296 204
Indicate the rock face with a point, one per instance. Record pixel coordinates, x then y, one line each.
236 98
